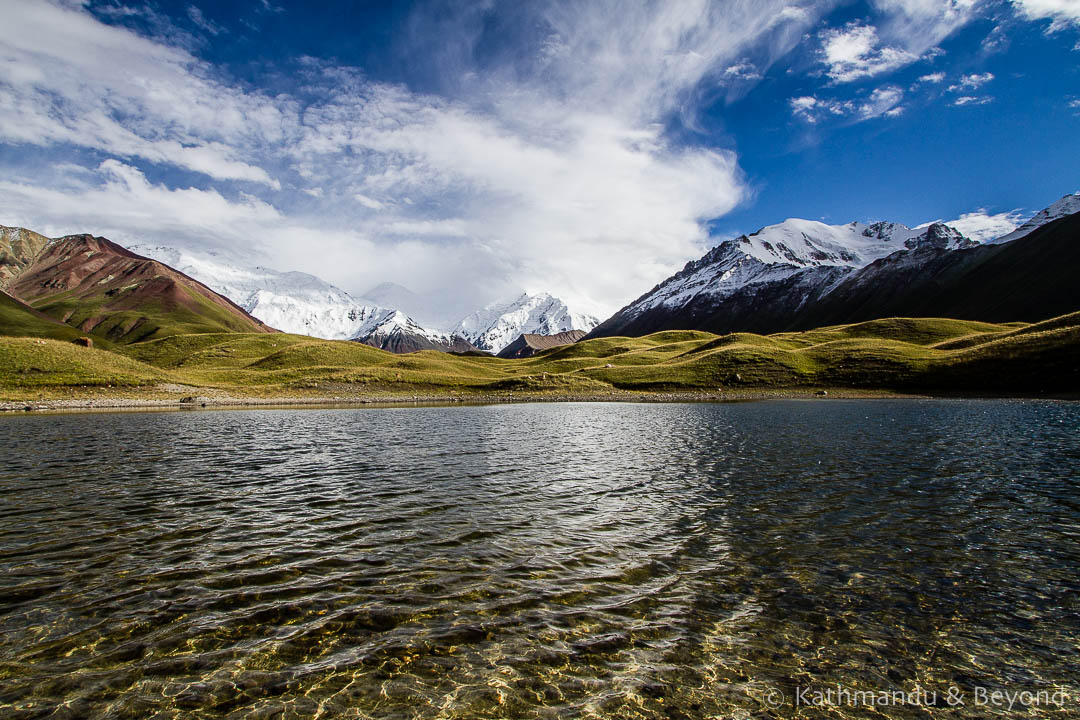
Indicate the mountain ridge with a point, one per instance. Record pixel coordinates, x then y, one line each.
731 288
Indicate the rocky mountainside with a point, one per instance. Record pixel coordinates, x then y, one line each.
494 327
304 304
101 288
19 248
800 274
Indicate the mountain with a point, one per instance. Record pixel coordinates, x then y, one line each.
19 248
801 274
528 344
1028 279
396 332
499 324
1068 205
770 256
99 287
304 304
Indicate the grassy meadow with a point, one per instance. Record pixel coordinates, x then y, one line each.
890 355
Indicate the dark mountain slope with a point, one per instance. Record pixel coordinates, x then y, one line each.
1028 279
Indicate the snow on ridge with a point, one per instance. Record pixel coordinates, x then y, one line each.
293 302
497 325
776 252
1068 205
303 304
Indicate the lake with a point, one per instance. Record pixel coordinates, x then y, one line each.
548 560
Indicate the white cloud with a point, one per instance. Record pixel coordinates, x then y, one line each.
972 100
982 227
903 32
554 175
1061 13
66 78
812 109
853 53
972 82
883 101
202 22
919 25
932 78
1074 104
742 71
118 200
369 203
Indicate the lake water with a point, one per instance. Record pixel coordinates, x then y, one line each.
550 560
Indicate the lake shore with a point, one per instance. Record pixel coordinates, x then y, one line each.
172 397
180 397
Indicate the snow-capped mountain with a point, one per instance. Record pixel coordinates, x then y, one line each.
1068 205
300 303
767 281
779 251
494 327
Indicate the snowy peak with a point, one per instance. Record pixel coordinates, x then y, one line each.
1068 205
808 243
499 324
941 236
779 251
299 303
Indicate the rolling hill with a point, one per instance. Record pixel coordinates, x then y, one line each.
895 354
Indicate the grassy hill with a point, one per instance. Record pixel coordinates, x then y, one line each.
896 354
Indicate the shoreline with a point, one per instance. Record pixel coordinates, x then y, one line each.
211 399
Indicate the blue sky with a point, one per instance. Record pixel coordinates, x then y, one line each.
585 149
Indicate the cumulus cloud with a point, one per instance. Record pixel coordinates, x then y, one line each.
1061 13
932 78
854 52
971 82
555 174
741 71
972 100
883 101
813 109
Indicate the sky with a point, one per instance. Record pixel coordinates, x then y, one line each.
586 149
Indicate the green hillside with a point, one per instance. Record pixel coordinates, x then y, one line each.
896 354
20 320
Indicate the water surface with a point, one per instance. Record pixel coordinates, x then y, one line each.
540 561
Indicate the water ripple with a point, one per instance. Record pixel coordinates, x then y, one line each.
576 560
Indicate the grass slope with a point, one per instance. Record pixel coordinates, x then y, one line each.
900 354
20 320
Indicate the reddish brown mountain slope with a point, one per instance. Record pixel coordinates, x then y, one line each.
99 287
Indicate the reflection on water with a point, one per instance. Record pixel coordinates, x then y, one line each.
574 560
